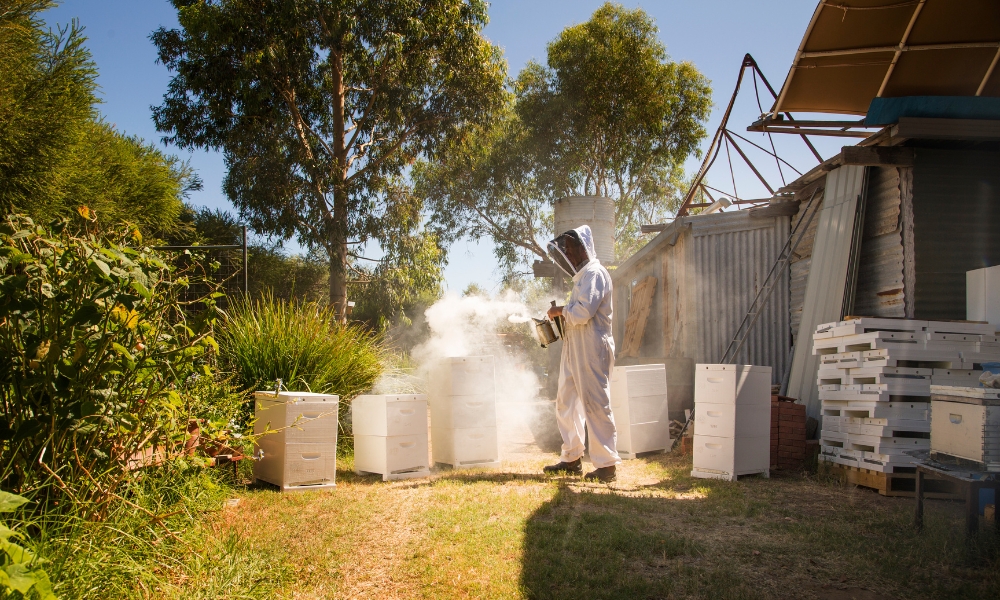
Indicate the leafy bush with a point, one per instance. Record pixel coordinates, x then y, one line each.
96 355
302 344
19 570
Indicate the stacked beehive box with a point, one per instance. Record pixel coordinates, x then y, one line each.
639 405
788 433
732 421
464 413
297 443
875 379
390 435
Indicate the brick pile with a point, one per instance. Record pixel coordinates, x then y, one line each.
788 433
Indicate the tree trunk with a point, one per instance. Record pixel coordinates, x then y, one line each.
338 241
338 276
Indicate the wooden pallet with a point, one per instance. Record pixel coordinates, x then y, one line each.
898 484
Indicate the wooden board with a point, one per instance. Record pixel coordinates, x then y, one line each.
638 313
894 484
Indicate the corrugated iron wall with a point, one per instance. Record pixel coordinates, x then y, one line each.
956 213
827 276
880 291
799 264
731 260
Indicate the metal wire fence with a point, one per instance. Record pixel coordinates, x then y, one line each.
224 268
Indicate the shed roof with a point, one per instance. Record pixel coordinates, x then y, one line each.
857 50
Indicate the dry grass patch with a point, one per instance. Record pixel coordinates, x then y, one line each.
656 533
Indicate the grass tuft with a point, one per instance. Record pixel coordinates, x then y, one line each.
266 339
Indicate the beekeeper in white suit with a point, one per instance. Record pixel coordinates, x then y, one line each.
588 354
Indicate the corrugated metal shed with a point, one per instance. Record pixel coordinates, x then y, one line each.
956 207
827 276
880 291
731 258
709 269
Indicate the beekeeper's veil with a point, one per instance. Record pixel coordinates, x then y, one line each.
557 248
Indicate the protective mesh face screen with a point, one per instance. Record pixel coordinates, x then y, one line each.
559 258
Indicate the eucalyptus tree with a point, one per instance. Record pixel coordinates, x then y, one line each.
609 114
321 106
484 186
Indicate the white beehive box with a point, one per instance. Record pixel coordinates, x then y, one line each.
297 447
732 384
982 295
732 420
393 457
726 458
463 376
967 428
639 405
389 415
732 424
390 435
466 448
463 412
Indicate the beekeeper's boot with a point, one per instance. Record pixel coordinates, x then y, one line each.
565 468
602 475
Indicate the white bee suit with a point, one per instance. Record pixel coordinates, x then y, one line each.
588 355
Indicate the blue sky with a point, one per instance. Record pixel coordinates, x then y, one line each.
713 34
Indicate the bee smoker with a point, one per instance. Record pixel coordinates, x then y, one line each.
547 334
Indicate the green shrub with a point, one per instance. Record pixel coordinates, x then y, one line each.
19 569
301 343
96 355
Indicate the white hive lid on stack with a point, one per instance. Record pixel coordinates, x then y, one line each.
875 378
732 422
639 405
463 412
298 439
390 435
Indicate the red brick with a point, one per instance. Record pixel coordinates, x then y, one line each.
788 417
788 426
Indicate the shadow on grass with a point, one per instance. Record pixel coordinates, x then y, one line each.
583 544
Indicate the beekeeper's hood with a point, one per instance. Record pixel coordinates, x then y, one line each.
557 248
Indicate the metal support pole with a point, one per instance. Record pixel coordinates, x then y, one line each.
246 270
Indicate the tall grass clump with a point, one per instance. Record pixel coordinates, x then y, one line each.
265 339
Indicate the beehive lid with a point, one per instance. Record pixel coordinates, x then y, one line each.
296 396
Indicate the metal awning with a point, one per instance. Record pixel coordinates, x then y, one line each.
857 50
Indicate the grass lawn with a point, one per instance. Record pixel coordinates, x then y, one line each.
657 533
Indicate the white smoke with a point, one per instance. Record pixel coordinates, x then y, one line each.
481 326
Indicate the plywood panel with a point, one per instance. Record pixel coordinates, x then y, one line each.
638 314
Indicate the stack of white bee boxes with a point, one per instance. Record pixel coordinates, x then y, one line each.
875 379
732 421
297 443
464 413
390 436
639 405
